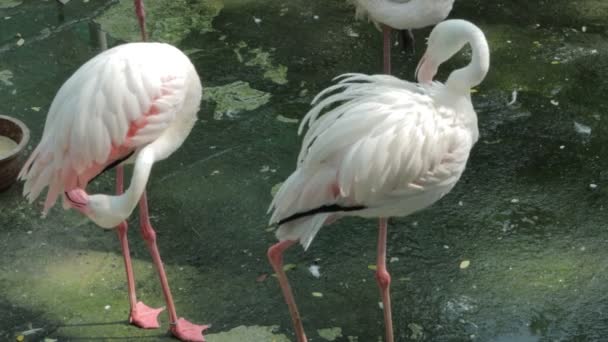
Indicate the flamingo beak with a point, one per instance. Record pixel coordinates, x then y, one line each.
79 200
426 69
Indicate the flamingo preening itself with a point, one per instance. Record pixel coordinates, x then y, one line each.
134 103
377 146
402 15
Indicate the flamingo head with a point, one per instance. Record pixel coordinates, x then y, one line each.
444 41
98 208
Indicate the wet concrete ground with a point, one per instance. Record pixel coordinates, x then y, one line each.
528 215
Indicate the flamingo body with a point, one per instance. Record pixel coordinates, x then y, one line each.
134 103
123 99
403 14
377 146
390 146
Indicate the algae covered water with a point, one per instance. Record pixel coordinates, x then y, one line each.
527 218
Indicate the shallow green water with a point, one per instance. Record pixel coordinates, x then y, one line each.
524 214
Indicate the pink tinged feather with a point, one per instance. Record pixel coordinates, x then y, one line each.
133 83
54 189
130 108
40 182
99 119
151 86
110 121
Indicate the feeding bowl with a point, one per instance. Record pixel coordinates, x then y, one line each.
14 136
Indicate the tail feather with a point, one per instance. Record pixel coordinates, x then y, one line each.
39 172
303 191
304 229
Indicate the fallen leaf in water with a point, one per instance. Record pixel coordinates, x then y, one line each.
330 334
261 277
314 270
289 267
582 129
417 331
285 119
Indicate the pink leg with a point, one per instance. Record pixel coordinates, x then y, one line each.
141 17
384 280
275 256
141 315
180 328
386 31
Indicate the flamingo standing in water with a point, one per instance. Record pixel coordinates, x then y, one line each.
134 103
384 147
403 15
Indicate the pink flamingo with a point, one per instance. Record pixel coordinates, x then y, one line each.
383 147
134 103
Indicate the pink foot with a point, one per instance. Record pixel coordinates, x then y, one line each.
188 332
144 316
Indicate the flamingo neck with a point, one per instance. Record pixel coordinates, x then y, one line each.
472 75
109 211
141 173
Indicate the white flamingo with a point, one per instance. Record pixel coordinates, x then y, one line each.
387 148
403 15
134 103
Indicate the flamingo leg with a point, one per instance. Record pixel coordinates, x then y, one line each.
384 279
386 31
275 256
141 18
141 315
180 328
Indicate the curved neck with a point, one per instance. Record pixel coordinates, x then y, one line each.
109 211
472 75
141 173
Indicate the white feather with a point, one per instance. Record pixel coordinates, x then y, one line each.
95 108
403 14
378 141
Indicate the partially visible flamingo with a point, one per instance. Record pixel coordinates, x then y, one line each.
134 103
403 15
383 147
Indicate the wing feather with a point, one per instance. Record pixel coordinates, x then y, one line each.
375 138
121 99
